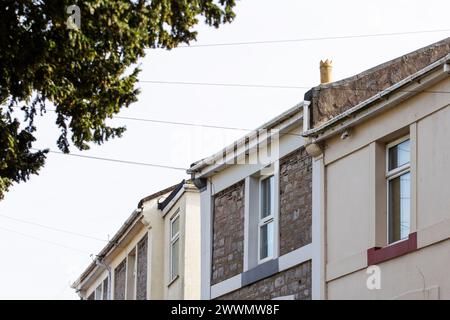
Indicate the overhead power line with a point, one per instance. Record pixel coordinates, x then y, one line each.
218 84
52 228
189 124
244 85
115 160
44 240
275 41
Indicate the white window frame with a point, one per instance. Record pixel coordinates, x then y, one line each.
392 174
173 239
266 220
132 252
103 287
100 294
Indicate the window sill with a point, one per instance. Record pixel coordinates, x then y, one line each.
173 280
376 255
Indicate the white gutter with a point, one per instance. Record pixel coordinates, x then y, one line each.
91 270
225 152
383 94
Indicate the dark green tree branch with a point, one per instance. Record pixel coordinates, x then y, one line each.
82 72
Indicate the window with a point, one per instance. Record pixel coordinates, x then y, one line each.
105 289
266 225
398 179
174 246
131 275
98 293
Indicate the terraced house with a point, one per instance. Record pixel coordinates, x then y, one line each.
380 142
154 255
353 201
257 224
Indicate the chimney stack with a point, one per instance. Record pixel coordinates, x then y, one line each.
326 68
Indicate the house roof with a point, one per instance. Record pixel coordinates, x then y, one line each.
124 229
332 99
400 91
271 124
172 195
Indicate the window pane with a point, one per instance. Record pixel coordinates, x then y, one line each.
267 195
98 293
174 258
175 226
266 240
399 155
105 289
399 207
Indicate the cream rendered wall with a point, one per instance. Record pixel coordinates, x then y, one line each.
187 285
423 274
433 169
192 255
155 276
350 201
348 185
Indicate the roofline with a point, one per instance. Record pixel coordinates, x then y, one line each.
374 99
175 196
205 162
383 65
156 194
123 230
174 192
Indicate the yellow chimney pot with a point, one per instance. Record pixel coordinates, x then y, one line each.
326 68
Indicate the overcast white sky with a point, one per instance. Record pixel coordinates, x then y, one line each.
95 197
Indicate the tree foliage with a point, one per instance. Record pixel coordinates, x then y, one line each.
81 72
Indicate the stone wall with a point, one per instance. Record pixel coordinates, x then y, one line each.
295 201
295 281
228 233
141 269
119 280
331 99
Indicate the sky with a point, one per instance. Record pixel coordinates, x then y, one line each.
94 197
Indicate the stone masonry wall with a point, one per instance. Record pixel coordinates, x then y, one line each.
228 233
141 272
295 281
295 201
331 99
119 280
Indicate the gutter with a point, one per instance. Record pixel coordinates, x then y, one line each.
135 216
315 132
112 244
197 167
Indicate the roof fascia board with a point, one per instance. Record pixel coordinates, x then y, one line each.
218 162
272 124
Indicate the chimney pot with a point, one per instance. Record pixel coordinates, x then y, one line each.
326 68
